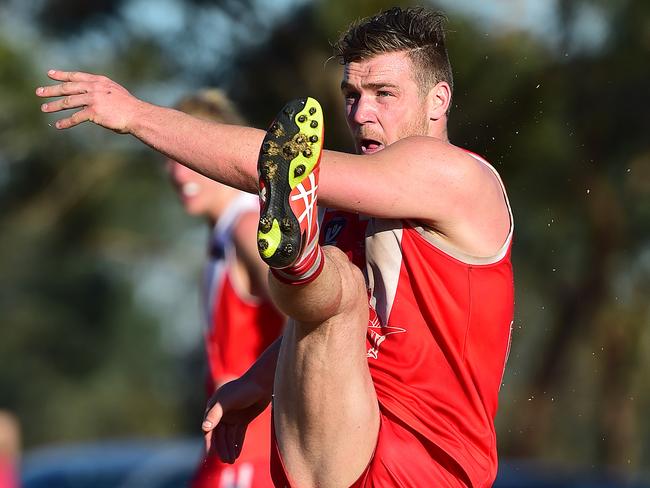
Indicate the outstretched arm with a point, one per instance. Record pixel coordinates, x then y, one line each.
223 152
420 178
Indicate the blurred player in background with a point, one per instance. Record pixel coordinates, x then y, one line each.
241 321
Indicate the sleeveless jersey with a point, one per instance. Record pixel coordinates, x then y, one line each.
438 334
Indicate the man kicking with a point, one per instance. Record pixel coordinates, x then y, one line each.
402 392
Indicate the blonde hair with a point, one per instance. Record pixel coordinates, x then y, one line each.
210 104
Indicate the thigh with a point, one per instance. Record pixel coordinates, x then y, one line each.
325 409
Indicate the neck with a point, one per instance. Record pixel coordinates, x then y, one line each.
438 129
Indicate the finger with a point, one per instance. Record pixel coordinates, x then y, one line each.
231 439
210 441
65 103
70 88
240 435
75 119
72 75
207 437
212 417
222 445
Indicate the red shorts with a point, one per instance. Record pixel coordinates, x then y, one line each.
402 459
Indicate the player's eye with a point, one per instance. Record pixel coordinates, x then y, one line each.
351 97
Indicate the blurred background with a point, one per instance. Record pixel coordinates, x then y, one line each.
99 267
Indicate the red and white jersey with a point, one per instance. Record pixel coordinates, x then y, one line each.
239 326
438 334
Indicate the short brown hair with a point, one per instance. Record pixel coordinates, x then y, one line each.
210 104
417 30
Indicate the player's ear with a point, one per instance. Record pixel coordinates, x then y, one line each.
438 100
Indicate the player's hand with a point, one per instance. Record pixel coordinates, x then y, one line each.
100 99
230 410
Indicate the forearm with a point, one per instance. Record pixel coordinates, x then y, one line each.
225 153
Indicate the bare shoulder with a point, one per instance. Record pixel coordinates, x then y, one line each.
436 162
437 155
252 268
244 234
472 210
246 226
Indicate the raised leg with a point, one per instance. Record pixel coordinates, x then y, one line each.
325 408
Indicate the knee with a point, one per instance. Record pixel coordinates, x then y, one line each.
340 289
351 280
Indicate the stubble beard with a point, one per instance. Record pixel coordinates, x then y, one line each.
417 127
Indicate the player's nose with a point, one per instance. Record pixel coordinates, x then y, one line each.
363 111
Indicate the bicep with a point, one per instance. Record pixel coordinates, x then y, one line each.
409 179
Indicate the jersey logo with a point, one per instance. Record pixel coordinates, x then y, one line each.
333 230
377 334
